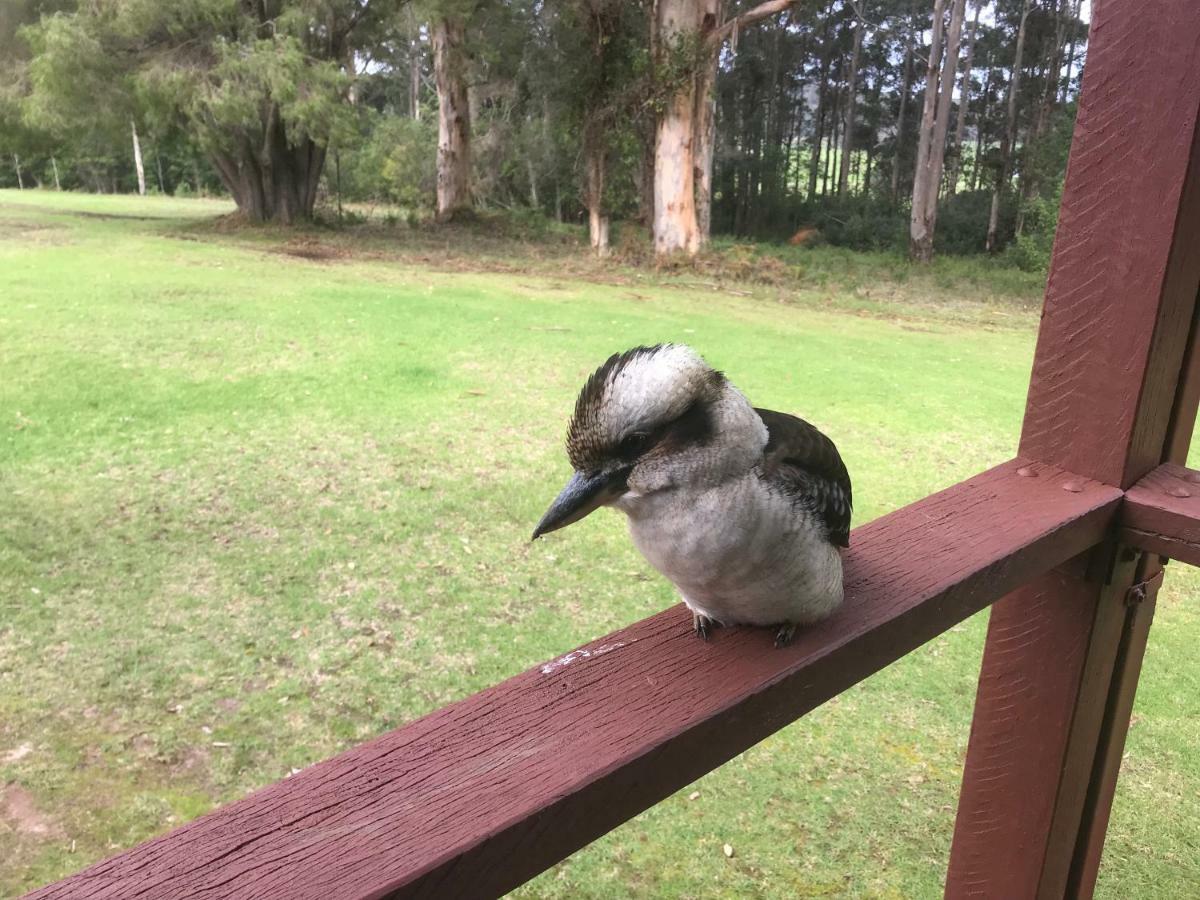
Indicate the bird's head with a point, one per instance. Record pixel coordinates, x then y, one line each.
646 420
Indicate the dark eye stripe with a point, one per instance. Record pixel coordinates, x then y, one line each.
633 445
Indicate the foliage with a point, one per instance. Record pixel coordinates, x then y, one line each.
1030 251
202 79
393 161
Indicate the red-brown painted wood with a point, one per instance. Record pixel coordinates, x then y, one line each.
1126 263
481 795
1119 306
1085 866
1161 513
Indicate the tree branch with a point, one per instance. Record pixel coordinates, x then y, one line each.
764 10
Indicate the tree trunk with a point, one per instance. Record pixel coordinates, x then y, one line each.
981 127
162 185
454 125
137 160
17 166
414 67
675 225
964 100
1066 94
704 140
905 88
834 141
922 229
594 195
532 174
851 96
1010 133
276 182
712 13
919 240
54 165
814 164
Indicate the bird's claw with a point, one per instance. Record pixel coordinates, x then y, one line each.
784 635
703 625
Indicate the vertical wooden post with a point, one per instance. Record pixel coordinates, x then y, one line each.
1062 656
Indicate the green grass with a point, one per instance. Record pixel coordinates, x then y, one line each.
265 495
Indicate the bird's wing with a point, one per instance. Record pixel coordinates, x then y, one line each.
805 465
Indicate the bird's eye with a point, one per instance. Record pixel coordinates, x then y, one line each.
633 444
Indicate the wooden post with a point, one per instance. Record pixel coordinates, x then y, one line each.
1062 656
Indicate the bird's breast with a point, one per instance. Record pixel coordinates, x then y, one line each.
740 553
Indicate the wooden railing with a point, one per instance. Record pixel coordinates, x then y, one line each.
479 796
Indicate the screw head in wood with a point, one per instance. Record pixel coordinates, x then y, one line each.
1027 472
1074 486
1179 492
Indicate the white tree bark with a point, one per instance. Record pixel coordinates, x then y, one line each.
54 166
594 190
137 160
676 228
925 135
929 172
937 147
678 154
17 166
454 122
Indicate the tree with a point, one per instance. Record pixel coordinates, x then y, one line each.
964 101
851 100
934 122
686 36
1010 132
260 85
454 117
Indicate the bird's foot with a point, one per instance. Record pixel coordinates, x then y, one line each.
703 625
784 635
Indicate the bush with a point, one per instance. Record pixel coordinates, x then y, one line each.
1031 249
396 161
963 220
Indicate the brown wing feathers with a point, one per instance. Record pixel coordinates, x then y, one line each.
804 464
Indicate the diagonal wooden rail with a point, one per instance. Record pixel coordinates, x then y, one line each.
477 797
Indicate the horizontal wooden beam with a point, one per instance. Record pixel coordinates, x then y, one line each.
480 796
1161 514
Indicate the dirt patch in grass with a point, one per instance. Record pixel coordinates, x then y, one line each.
129 217
34 232
313 250
20 812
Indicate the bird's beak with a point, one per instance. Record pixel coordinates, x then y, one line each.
582 495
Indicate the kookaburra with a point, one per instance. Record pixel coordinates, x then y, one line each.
742 509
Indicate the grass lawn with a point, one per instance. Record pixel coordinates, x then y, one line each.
266 495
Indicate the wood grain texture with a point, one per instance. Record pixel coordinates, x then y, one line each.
1109 353
1120 304
479 796
1030 685
1163 510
